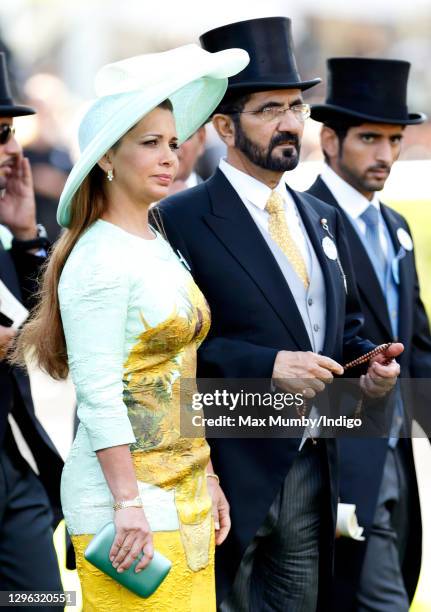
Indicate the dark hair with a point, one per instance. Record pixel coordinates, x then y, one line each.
341 125
232 104
166 104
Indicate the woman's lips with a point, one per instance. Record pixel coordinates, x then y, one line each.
163 179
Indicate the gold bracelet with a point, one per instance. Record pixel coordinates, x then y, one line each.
128 503
211 475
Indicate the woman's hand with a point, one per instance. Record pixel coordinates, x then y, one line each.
133 535
220 508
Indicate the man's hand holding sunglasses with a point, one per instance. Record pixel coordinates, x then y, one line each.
17 202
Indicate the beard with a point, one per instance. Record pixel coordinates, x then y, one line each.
364 181
286 159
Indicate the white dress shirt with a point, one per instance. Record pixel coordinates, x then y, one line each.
255 195
353 203
5 237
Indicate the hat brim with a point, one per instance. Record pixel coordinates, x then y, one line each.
259 85
194 96
326 112
15 110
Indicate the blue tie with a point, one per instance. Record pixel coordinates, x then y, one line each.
372 238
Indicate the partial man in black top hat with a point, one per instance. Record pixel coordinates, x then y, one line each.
29 504
364 118
281 309
188 156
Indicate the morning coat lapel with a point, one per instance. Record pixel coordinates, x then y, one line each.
366 277
312 222
236 229
405 289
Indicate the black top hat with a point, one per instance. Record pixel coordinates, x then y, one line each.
374 90
269 43
7 106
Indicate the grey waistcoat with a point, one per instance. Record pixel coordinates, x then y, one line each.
311 302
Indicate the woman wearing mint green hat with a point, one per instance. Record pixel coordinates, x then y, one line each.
123 315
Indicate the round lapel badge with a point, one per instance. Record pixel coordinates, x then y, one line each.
405 239
329 248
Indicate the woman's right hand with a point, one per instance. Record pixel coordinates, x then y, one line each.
133 535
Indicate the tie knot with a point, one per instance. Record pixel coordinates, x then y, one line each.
274 203
371 216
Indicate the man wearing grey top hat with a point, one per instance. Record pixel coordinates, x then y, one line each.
364 117
281 309
29 504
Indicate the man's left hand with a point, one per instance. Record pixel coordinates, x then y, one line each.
17 206
382 373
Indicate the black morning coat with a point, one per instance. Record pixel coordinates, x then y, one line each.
18 271
362 461
254 316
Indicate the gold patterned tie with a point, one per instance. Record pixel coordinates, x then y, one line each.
280 233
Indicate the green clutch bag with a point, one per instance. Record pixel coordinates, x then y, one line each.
145 582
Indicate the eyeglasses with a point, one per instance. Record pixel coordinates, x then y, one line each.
6 133
276 113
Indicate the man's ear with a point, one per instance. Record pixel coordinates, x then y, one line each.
329 142
225 128
202 136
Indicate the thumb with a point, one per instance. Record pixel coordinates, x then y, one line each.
394 350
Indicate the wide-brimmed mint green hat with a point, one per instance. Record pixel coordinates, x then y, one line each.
193 79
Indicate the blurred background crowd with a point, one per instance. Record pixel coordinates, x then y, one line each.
55 47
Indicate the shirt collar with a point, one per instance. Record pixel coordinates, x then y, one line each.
192 180
249 188
350 200
5 238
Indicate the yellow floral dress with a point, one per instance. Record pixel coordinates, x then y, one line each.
133 319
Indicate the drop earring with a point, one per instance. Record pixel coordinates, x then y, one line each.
110 176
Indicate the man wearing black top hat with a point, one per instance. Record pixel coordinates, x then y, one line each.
363 119
281 309
29 505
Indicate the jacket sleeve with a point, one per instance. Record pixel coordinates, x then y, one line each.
27 267
420 358
93 301
231 358
420 361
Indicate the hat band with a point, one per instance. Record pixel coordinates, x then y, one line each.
382 108
6 102
288 77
